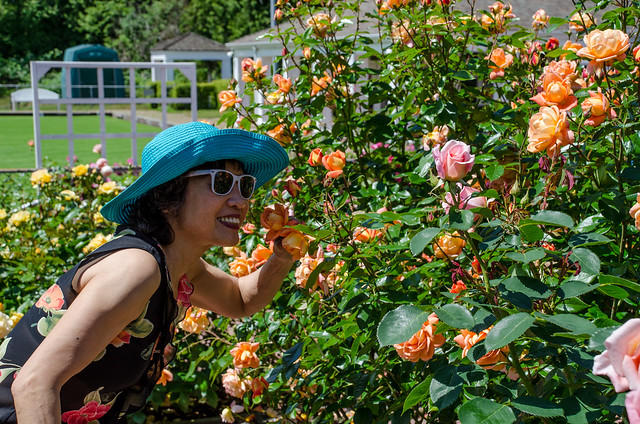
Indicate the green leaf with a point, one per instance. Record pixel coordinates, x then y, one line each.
614 291
446 386
420 240
460 219
574 323
596 342
456 316
527 286
484 411
530 230
507 330
493 172
538 407
588 239
400 325
575 288
589 261
417 394
463 75
527 256
612 279
552 218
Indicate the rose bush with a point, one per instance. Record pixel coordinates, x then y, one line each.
506 206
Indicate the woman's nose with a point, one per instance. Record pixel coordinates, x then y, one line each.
234 197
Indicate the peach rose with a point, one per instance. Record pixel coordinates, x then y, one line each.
566 69
499 61
242 266
320 84
284 84
282 134
363 235
540 19
260 255
636 53
549 129
315 157
621 360
634 212
597 107
605 46
294 242
557 91
244 355
320 23
402 32
467 339
454 161
233 384
274 219
195 320
334 162
228 99
421 346
579 21
253 70
307 264
449 246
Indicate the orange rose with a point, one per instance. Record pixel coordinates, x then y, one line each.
569 45
258 385
549 129
307 264
556 91
315 157
242 266
422 344
320 24
449 245
282 134
597 107
260 255
499 61
228 99
244 355
284 84
319 84
274 219
566 69
604 47
165 377
364 235
334 162
294 242
458 287
195 320
467 339
579 21
253 70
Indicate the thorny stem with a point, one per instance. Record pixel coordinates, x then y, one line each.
515 361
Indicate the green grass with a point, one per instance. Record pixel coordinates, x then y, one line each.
16 132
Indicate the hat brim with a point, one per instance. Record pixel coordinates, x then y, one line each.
194 144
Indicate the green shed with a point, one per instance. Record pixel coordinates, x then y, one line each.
84 82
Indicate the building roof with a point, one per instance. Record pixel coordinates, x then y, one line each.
190 42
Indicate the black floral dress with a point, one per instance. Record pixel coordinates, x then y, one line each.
121 378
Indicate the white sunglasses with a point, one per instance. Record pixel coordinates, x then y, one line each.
222 181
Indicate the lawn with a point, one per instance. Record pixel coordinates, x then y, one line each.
15 153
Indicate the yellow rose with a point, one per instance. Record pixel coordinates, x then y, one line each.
80 170
98 218
69 195
15 317
19 218
549 130
3 214
107 188
320 23
449 245
40 177
95 242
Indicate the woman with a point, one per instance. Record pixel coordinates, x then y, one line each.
93 346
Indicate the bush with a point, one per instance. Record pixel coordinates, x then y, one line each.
207 93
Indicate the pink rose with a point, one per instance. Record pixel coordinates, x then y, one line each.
454 161
466 201
621 359
632 402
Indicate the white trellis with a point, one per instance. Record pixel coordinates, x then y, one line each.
40 68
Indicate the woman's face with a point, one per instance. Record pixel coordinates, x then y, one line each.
210 219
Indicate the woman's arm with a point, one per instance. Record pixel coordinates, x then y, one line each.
114 292
217 291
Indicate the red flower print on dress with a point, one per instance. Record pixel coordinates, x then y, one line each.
52 299
185 289
121 339
90 412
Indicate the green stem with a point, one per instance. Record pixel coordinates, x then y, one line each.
515 361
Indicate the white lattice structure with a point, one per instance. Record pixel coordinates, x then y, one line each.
40 68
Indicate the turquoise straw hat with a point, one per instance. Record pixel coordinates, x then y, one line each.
180 148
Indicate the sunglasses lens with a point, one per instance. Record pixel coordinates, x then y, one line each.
246 186
222 182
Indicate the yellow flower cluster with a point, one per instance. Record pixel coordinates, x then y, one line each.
40 177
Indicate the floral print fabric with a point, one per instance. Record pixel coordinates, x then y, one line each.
119 380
